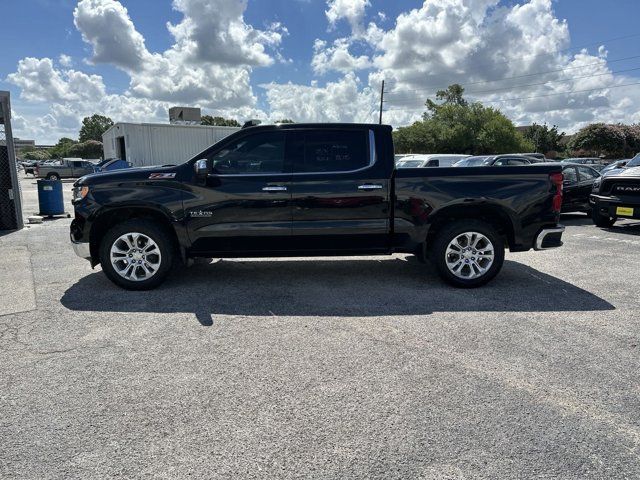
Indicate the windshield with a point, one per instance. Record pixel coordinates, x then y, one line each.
634 162
410 164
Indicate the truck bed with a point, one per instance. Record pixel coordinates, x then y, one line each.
520 196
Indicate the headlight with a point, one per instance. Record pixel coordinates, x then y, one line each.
80 192
596 185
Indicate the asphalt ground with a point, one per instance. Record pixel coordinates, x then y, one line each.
324 368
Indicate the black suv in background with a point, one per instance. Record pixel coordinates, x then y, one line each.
617 195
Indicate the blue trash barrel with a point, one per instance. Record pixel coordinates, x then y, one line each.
50 197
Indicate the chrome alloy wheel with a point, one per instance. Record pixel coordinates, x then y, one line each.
135 256
469 255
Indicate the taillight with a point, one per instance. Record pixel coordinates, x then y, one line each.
557 179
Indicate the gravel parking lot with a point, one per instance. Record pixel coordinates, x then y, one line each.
328 368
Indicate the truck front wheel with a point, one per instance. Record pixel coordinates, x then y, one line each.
467 253
53 176
602 221
136 254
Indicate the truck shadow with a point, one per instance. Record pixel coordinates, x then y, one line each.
625 226
575 219
337 287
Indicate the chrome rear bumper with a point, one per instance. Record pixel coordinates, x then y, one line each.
549 238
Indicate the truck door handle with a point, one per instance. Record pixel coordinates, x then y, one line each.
274 188
370 186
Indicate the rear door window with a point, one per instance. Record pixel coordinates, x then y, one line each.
587 174
332 151
570 175
518 162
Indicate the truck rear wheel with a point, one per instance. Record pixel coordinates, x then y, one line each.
136 254
53 176
467 253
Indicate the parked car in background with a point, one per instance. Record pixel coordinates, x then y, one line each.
538 157
66 168
583 160
577 185
494 161
593 162
615 165
617 194
401 156
430 160
112 164
29 167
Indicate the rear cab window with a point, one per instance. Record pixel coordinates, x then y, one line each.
325 151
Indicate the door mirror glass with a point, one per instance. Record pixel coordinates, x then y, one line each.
201 168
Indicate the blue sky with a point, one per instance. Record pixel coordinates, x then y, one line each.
45 29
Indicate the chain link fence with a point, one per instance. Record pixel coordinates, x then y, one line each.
10 193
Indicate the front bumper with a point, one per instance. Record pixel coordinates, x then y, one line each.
549 238
81 249
608 206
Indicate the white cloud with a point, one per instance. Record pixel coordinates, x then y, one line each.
215 51
41 82
345 100
337 57
215 31
65 60
351 10
209 63
105 24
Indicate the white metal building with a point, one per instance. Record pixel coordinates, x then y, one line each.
145 144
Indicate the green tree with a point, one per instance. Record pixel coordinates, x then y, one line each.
453 125
453 95
600 139
61 149
219 121
90 149
543 138
93 127
37 155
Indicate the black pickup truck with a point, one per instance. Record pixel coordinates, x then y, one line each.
312 190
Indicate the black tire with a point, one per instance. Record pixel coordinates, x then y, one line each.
602 221
158 234
53 176
448 233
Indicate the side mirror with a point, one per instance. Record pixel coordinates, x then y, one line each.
201 168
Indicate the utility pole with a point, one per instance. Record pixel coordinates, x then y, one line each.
381 100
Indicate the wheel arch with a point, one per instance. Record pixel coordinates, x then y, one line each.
493 214
107 218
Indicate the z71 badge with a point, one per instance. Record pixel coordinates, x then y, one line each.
158 176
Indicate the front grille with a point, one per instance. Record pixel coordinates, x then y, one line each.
626 189
620 187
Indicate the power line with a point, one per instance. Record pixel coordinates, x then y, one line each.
433 89
409 101
537 96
